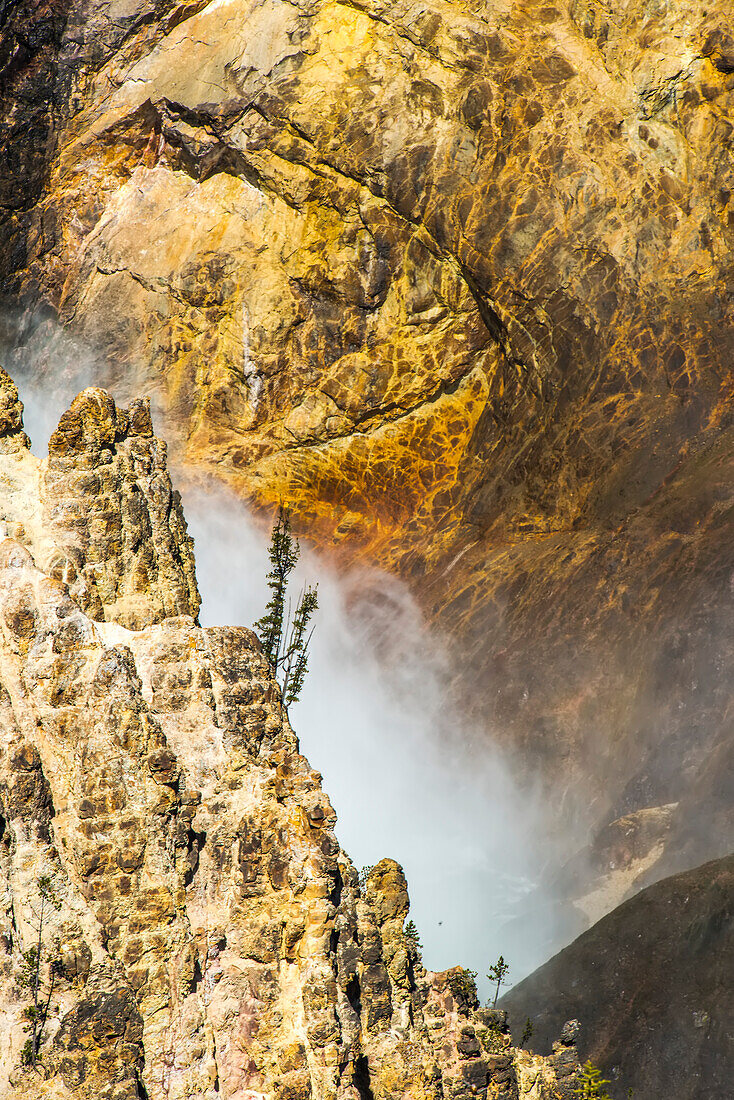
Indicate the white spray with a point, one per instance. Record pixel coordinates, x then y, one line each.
406 776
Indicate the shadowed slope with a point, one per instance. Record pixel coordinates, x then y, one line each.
652 985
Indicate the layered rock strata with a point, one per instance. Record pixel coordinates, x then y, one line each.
209 937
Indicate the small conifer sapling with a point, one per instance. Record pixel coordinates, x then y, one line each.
527 1033
591 1084
498 973
285 639
35 964
411 933
463 986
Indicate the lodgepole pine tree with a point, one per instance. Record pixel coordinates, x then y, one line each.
286 639
498 973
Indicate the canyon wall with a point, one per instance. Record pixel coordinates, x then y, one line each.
453 279
165 845
657 1008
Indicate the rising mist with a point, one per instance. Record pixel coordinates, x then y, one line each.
407 776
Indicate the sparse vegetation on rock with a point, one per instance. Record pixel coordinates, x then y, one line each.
527 1033
498 973
284 634
39 972
494 1038
463 985
591 1084
411 933
364 874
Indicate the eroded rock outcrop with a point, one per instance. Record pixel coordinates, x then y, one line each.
451 278
211 938
108 495
12 436
100 514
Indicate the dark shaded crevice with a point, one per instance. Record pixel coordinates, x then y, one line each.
361 1077
335 895
497 329
333 941
353 993
197 977
404 33
223 158
491 319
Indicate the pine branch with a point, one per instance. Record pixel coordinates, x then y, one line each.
283 553
298 643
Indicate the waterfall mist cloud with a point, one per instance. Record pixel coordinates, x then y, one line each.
408 778
49 368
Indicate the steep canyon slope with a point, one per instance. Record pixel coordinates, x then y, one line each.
209 937
658 1009
454 279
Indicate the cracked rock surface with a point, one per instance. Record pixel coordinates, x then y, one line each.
453 278
210 938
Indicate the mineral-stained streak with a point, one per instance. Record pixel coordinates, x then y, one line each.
212 939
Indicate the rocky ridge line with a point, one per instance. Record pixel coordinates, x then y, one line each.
213 940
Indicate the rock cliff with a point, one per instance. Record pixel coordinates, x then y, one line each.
658 1008
207 936
452 278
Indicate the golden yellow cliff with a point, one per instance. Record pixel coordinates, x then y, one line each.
453 280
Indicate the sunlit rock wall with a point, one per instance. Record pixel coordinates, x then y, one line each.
209 938
452 278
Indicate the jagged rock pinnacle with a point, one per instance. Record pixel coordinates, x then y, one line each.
211 939
12 436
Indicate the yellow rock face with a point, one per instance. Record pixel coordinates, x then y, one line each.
451 280
310 229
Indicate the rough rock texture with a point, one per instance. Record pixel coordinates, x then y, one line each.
108 495
211 938
100 514
652 984
12 436
451 277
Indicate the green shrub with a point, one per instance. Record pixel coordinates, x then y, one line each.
411 933
591 1084
463 986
